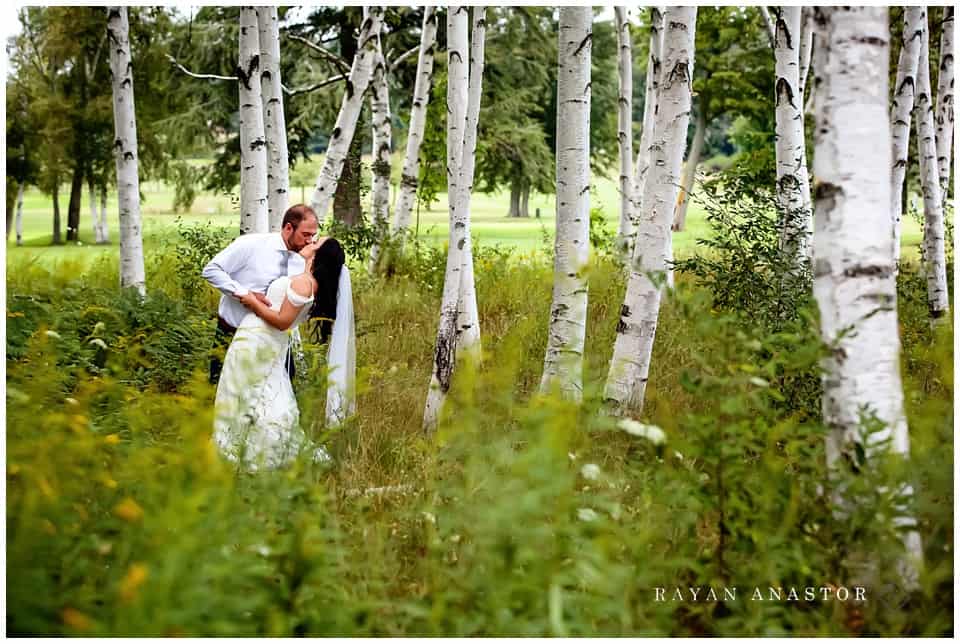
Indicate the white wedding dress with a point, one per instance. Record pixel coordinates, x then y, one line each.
256 422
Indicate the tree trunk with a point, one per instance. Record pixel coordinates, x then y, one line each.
563 363
253 146
410 175
92 195
806 49
10 204
274 122
56 214
347 208
104 222
132 273
525 200
792 181
76 202
651 93
515 191
690 169
19 215
382 144
854 283
903 102
361 72
468 317
944 103
933 226
630 365
625 130
457 89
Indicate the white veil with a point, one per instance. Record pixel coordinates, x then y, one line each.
342 356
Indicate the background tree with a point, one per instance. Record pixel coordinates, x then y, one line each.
254 217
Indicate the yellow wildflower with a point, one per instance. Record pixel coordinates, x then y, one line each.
136 575
111 439
128 510
76 620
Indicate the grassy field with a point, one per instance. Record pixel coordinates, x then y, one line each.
489 224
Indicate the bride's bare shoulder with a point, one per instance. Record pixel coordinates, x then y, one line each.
302 285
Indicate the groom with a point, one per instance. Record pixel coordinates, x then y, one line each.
249 264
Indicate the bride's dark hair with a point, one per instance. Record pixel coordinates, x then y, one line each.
327 264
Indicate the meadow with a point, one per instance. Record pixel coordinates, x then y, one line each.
523 516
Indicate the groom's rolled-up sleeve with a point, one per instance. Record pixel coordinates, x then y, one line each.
224 264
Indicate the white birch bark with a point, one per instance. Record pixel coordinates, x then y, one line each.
903 99
361 72
274 121
854 280
651 94
410 174
457 88
792 182
630 365
468 318
944 103
563 364
132 274
253 145
92 193
806 48
933 228
104 222
690 170
18 221
382 144
625 129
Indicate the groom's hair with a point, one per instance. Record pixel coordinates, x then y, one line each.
295 215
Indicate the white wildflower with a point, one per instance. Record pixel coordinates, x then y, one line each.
651 432
590 471
586 514
571 456
430 518
678 455
97 342
53 334
760 382
71 401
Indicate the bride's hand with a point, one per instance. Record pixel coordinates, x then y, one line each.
250 299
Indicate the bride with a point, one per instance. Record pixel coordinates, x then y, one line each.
256 418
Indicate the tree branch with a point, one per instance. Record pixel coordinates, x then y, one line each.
186 71
771 30
316 86
326 53
396 61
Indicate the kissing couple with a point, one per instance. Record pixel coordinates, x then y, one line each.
271 283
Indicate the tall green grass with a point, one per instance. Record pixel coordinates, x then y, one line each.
123 520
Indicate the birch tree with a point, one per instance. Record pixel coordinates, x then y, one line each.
382 144
651 97
457 90
944 105
104 224
92 194
274 121
625 129
410 174
563 364
361 72
630 365
690 168
855 284
132 274
468 318
903 99
792 182
253 145
933 229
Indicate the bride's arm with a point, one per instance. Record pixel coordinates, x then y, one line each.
283 318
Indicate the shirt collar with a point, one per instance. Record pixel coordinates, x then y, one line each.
277 241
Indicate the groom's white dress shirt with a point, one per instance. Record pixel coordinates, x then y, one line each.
250 263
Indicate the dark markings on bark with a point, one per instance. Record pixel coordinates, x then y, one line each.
781 30
680 71
409 181
908 79
128 156
784 90
871 270
461 244
870 40
677 25
349 89
252 68
947 58
457 54
442 359
256 144
827 192
336 133
381 168
266 75
583 43
901 163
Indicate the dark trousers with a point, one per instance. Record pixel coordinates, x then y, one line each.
221 341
